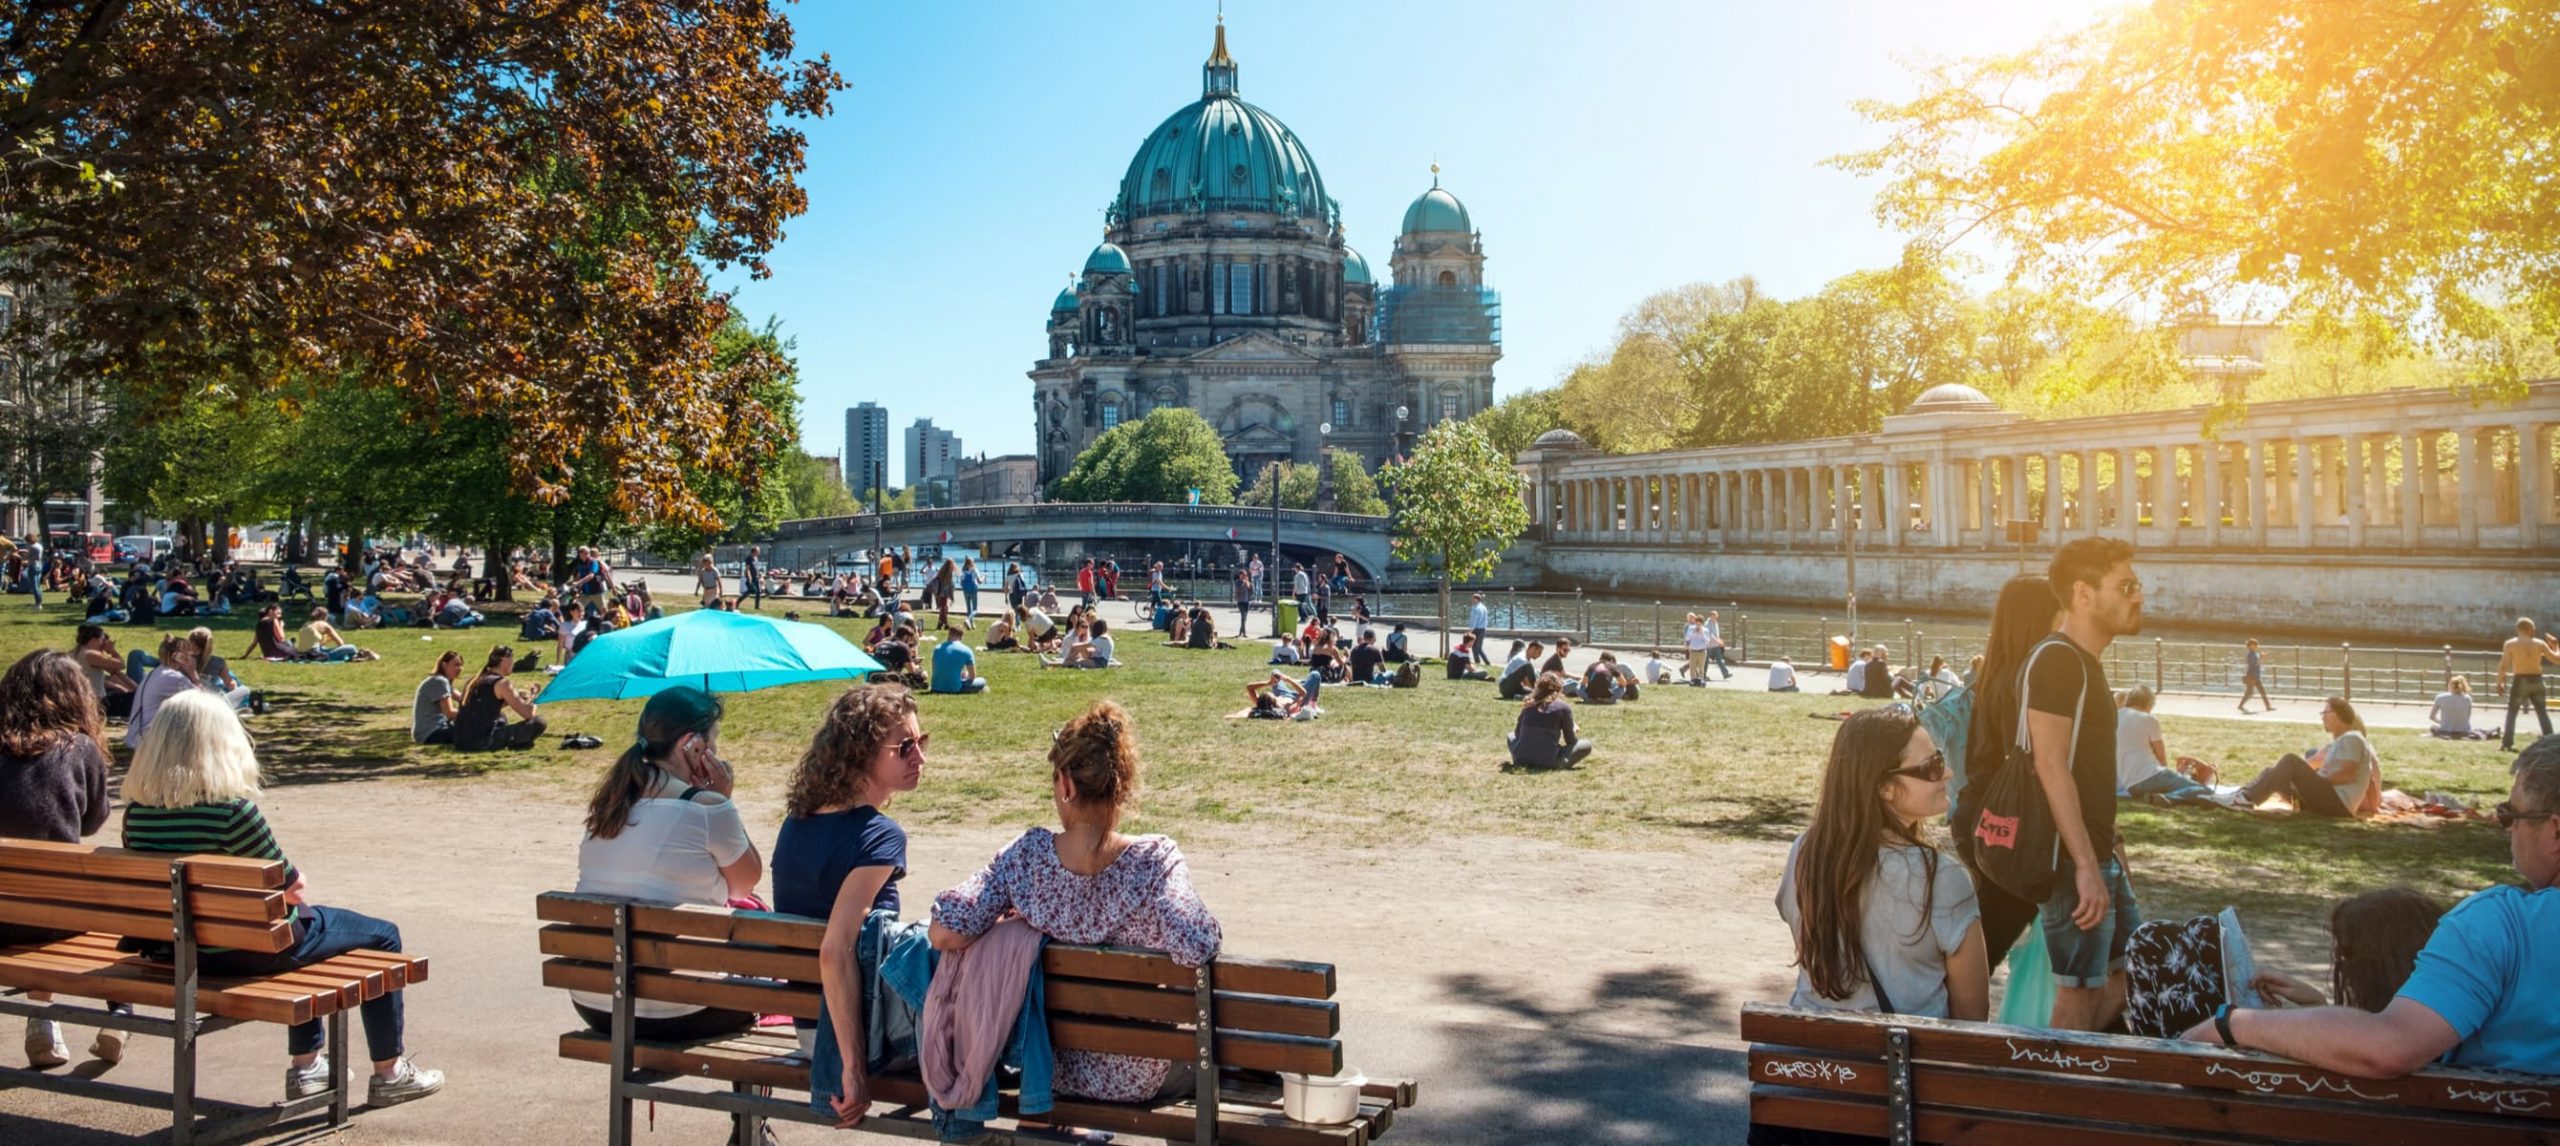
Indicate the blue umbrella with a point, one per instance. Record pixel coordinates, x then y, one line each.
710 649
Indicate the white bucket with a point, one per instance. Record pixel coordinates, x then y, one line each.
1321 1101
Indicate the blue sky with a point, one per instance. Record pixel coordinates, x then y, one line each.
1606 149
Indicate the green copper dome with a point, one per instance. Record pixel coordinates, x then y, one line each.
1066 301
1436 210
1354 268
1107 259
1221 154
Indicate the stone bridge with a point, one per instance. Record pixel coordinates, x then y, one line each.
1119 529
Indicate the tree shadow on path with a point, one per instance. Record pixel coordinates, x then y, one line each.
1600 1069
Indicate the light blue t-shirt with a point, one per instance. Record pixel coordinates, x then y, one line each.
2487 971
949 658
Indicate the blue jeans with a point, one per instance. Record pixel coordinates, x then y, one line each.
2171 787
2084 959
319 933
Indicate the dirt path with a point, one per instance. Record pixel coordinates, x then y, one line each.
1539 992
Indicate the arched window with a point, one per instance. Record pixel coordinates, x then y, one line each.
1448 278
1342 413
1110 414
1162 186
1451 407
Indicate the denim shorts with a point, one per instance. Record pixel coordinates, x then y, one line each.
2085 958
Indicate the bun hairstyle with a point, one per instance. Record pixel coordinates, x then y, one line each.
1098 750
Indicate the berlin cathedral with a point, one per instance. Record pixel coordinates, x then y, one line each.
1224 284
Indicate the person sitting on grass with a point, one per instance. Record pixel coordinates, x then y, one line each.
1368 662
2341 780
543 623
1600 681
453 611
1656 671
432 710
1000 632
1284 651
174 675
894 648
1203 633
1174 623
1543 737
571 635
1462 660
1855 683
2450 718
2173 970
363 611
1398 650
94 648
1883 923
1040 630
481 725
1881 682
1086 883
661 827
213 674
1092 650
839 858
1782 675
193 789
1280 698
1520 673
2481 995
955 668
2143 765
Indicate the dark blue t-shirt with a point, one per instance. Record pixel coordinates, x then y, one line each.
815 853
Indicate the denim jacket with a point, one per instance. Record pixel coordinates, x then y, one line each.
907 971
889 1021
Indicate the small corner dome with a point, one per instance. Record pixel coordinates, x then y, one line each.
1560 439
1107 259
1066 301
1952 398
1436 210
1354 268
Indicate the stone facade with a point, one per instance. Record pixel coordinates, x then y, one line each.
1009 480
1224 284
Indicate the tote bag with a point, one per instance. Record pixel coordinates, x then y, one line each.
2015 843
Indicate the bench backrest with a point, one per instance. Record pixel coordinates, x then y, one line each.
231 902
1835 1071
1269 1015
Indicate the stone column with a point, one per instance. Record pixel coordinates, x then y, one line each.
2533 465
2413 483
2305 458
2052 495
2261 495
1897 502
2351 478
2209 467
2468 488
1985 470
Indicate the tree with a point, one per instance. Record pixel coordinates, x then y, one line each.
1354 491
1513 423
1160 458
2387 161
1459 504
501 209
812 490
1643 395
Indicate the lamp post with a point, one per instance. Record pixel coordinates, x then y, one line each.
1271 575
1394 499
1324 474
879 478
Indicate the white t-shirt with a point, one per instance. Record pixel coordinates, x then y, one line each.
1040 624
1909 958
1102 650
1858 676
1656 672
670 851
1782 675
2135 730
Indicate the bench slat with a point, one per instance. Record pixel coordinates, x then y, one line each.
761 928
1253 976
1244 1049
1957 1090
48 857
681 954
1313 1018
225 903
2117 1057
263 937
139 985
798 1000
1813 1111
754 1059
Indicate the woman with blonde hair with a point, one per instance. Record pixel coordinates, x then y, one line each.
1087 883
213 674
839 858
2450 718
1882 922
193 789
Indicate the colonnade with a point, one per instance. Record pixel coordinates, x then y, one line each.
2396 470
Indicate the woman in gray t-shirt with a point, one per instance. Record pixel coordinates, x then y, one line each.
1883 922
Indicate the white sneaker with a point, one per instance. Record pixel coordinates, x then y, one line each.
305 1081
108 1047
44 1044
406 1084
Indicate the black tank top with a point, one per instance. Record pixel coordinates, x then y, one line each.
482 710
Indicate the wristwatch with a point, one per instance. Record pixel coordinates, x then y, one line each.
2222 1026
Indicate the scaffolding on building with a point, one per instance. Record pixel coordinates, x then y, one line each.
1445 315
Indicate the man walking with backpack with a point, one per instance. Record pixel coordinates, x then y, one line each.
2071 727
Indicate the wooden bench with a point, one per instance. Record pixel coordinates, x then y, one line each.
1910 1079
188 902
1238 1020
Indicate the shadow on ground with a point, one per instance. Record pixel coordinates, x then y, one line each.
333 741
1600 1069
1777 819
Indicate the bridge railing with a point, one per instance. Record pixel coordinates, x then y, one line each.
957 516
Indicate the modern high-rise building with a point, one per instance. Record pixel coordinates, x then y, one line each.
866 447
933 461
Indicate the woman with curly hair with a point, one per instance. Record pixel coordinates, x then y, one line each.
53 786
840 856
1087 883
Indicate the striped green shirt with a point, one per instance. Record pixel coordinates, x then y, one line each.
233 828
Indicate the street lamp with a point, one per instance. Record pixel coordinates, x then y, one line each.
1324 476
1395 498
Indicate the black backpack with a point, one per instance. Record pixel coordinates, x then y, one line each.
1408 675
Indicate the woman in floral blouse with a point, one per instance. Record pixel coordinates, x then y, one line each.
1087 883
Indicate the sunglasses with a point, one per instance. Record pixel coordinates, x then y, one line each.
1931 770
2509 817
914 746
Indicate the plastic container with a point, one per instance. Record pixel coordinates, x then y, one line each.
1288 613
1839 647
1321 1101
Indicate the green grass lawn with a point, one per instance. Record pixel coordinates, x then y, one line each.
1384 767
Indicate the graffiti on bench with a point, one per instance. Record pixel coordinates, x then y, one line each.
2270 1081
2063 1059
1810 1071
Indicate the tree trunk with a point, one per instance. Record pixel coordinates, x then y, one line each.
291 551
1448 640
221 538
495 566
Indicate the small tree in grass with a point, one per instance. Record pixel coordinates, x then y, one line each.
1458 505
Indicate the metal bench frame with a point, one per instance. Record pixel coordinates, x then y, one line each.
747 1111
222 1120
